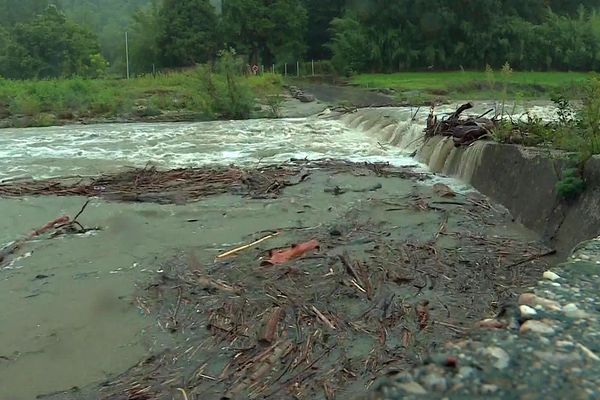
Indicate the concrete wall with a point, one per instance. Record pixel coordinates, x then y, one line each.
521 179
524 181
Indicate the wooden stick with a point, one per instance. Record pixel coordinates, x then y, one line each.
271 322
185 396
247 246
323 318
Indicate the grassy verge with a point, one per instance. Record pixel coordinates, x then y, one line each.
459 85
183 95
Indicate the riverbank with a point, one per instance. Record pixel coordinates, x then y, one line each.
378 266
421 88
194 95
426 261
542 346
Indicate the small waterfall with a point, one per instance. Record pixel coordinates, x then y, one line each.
440 154
470 160
426 151
385 134
453 161
393 127
352 119
355 123
409 135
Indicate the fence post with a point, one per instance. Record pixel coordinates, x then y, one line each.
273 68
312 62
285 70
298 68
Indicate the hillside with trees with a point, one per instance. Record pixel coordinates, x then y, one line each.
86 38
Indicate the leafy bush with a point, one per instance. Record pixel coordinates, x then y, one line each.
571 185
228 90
25 104
45 119
223 93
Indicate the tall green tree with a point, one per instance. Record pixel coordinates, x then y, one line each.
14 11
188 32
378 35
267 31
144 34
50 46
318 33
108 19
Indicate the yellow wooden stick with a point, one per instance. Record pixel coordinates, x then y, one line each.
247 246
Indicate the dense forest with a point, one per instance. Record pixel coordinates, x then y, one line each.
61 38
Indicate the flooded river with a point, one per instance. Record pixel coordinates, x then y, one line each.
68 314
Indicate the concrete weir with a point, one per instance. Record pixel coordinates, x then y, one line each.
544 345
521 179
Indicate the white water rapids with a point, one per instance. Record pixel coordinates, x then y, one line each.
85 150
93 149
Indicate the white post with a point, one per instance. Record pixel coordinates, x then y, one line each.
312 63
127 53
298 68
273 68
285 70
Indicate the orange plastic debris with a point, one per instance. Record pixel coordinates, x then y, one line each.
296 251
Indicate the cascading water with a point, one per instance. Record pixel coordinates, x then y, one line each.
404 128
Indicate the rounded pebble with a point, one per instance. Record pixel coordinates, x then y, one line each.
536 327
527 312
551 276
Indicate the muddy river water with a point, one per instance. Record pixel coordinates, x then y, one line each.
68 317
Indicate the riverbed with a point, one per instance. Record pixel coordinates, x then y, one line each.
70 314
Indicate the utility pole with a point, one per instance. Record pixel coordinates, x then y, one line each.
127 53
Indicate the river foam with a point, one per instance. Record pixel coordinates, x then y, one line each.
92 149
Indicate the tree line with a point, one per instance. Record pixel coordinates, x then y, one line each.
58 38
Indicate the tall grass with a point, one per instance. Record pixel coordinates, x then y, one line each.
105 98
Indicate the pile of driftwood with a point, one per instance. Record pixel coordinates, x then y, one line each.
463 131
184 185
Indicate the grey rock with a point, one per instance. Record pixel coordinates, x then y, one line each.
538 327
413 388
501 356
435 382
488 389
305 98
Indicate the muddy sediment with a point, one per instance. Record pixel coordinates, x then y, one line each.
402 266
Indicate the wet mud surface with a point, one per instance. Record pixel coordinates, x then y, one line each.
402 266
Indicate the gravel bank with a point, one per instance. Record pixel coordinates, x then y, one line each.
546 346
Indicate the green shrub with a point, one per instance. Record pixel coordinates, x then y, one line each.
25 104
570 187
45 119
230 93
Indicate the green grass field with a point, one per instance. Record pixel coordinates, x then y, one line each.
48 102
477 85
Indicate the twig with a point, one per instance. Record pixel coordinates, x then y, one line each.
81 211
323 318
415 114
485 113
532 258
270 325
185 397
452 327
247 246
